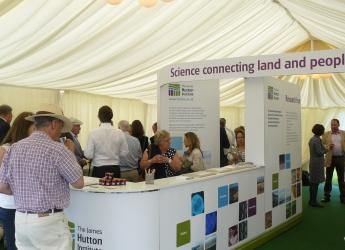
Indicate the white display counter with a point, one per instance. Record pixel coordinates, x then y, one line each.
193 211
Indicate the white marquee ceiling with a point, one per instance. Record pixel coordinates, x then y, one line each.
91 46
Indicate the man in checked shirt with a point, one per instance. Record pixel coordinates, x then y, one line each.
38 171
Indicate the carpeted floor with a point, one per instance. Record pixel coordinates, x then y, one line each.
320 229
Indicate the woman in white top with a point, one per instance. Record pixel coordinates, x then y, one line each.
192 158
20 129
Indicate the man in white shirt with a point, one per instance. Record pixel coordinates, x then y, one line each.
129 163
106 145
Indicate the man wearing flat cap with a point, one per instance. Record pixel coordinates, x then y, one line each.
37 171
73 136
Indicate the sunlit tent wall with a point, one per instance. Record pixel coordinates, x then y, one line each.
84 106
84 54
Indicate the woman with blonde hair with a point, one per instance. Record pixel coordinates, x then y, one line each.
192 158
161 157
20 129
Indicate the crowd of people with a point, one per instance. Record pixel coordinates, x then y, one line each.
40 156
36 171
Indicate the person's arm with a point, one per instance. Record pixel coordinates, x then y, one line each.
79 183
175 163
325 141
2 153
69 168
319 148
70 145
90 147
146 162
232 158
138 152
82 162
4 187
197 161
123 146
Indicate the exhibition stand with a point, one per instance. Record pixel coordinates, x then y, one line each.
219 208
185 212
272 120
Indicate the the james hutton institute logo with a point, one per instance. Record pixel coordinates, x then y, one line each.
174 89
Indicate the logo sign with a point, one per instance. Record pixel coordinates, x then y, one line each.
174 89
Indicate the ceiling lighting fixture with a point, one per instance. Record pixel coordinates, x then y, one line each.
144 3
114 2
147 3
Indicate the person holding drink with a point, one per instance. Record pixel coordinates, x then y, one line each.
161 157
335 141
192 159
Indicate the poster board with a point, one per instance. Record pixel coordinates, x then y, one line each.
220 213
273 139
192 106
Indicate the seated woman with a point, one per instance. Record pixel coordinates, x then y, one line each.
192 158
161 157
237 154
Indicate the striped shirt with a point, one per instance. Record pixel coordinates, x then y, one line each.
38 171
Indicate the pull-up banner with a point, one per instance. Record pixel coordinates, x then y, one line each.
326 61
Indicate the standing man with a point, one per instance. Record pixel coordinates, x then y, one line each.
73 136
129 164
5 120
38 171
154 129
335 141
105 145
224 144
229 132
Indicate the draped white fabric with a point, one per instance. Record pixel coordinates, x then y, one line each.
92 47
83 106
98 48
26 99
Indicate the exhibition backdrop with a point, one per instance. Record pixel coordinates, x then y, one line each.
220 212
273 127
214 212
191 106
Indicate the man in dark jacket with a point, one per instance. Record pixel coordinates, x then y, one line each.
73 136
5 120
224 143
